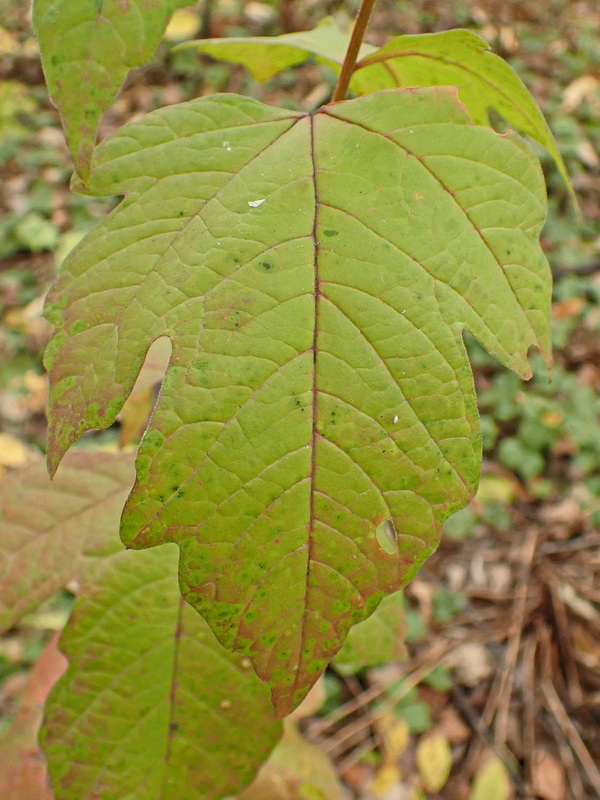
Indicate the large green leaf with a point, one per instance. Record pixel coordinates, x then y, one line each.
151 705
314 275
87 48
458 58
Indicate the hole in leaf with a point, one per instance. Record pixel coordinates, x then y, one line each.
140 404
155 364
385 534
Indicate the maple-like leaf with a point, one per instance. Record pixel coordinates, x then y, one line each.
151 706
87 49
314 274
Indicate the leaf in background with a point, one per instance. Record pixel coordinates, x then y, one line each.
463 59
13 453
155 365
87 49
378 639
151 705
183 25
434 760
50 529
23 773
296 770
491 782
314 275
138 407
135 415
265 56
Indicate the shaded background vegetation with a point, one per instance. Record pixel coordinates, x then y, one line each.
503 646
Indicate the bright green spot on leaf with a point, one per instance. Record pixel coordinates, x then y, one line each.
294 420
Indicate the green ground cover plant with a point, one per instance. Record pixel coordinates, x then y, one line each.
313 273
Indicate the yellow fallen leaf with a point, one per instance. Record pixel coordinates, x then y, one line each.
491 782
434 760
387 777
184 24
579 90
396 737
548 776
13 452
11 44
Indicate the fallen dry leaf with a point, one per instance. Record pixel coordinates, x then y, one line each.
586 648
491 782
385 780
13 452
23 774
452 726
547 776
578 91
472 663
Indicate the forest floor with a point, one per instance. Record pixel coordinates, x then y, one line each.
503 647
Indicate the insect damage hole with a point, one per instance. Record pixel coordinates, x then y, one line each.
385 533
139 406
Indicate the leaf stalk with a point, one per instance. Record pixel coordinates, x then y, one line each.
358 31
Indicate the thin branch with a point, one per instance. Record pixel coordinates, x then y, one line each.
206 19
360 26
